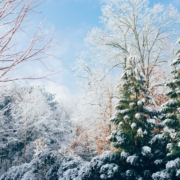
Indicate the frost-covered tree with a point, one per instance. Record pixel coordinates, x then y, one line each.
131 27
135 123
31 120
92 112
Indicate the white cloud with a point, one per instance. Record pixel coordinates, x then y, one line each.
62 92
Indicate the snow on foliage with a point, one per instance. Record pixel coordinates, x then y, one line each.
133 125
156 138
146 150
127 118
133 160
138 116
53 166
140 132
158 161
132 105
32 121
173 165
172 171
131 174
124 154
120 138
108 171
140 103
178 173
161 175
151 121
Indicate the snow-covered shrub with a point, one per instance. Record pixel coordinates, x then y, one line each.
53 166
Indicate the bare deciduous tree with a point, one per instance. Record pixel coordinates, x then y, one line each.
14 24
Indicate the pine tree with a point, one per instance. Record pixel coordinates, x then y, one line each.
135 125
172 125
172 109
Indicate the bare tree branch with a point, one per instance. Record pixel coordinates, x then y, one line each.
14 19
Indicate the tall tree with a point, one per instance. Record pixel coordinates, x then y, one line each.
132 27
172 125
171 107
135 123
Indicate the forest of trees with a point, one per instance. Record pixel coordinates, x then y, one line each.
125 121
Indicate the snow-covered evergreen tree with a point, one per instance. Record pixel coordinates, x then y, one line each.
172 125
172 109
135 121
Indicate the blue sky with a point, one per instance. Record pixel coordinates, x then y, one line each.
73 19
